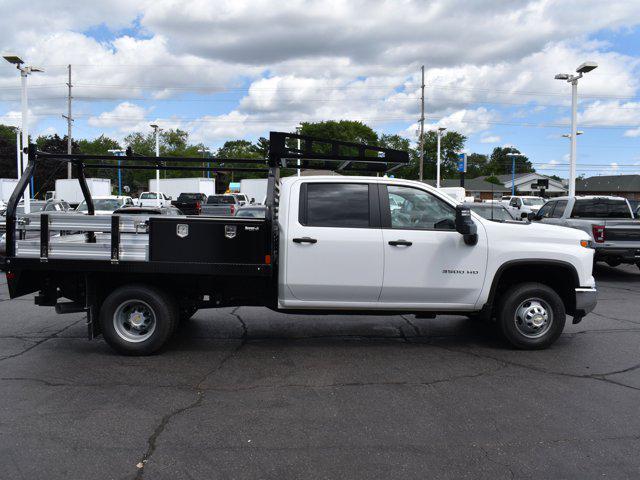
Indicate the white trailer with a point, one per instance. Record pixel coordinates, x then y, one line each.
254 188
173 187
7 185
69 189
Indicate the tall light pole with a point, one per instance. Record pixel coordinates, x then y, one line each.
573 80
204 151
118 153
513 170
156 130
25 71
439 134
422 125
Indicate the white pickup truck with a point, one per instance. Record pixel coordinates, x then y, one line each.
328 244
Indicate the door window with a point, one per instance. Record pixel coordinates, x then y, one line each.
546 210
559 210
335 205
415 209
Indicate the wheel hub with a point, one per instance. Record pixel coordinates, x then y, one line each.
134 321
533 318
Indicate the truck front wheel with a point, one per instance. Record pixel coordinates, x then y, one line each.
531 316
137 319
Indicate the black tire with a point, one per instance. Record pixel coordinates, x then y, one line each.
532 300
123 303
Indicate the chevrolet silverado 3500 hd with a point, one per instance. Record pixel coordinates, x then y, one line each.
327 244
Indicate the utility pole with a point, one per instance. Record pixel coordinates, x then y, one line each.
69 121
422 126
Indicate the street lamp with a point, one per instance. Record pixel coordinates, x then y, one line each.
513 170
156 130
204 151
568 135
439 133
573 80
24 72
118 153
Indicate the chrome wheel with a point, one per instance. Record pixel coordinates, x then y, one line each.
134 321
533 318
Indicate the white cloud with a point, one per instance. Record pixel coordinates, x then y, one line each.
125 117
490 139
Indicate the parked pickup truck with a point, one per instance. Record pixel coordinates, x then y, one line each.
608 220
220 205
152 199
190 203
327 244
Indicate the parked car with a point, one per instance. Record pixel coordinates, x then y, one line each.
54 205
105 205
150 199
609 220
252 211
522 205
190 203
242 198
492 211
221 205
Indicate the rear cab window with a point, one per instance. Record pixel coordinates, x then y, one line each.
601 208
341 205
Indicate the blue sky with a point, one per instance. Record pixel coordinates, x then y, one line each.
225 70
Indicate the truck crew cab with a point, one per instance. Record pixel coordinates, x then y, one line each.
327 244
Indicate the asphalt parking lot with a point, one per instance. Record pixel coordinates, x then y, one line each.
248 393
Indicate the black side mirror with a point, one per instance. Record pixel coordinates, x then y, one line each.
465 225
531 216
525 214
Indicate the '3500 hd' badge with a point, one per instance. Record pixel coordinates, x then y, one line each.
182 230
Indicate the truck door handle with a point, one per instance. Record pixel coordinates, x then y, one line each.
397 243
305 240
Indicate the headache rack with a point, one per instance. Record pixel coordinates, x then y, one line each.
123 242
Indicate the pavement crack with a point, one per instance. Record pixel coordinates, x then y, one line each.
200 391
592 376
41 341
608 317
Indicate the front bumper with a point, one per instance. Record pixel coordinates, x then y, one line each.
586 299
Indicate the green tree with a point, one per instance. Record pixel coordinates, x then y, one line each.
500 162
450 145
8 152
477 165
48 171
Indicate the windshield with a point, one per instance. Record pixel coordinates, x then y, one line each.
496 212
221 200
532 202
109 204
148 196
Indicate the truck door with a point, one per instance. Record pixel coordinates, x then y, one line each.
334 243
426 261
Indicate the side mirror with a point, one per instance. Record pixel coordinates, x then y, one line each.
525 214
531 216
253 200
465 225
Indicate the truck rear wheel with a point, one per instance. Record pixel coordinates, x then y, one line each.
138 319
531 316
